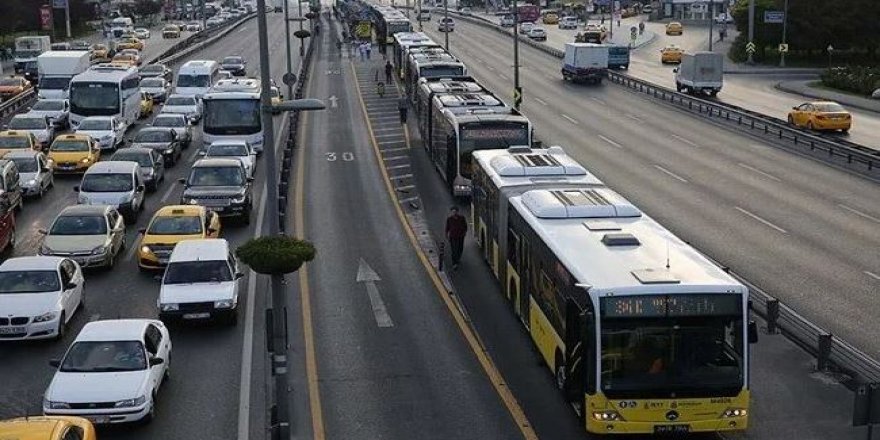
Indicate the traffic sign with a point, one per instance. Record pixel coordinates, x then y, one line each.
783 48
750 47
289 79
59 4
774 17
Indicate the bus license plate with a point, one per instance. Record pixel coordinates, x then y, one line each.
672 429
196 315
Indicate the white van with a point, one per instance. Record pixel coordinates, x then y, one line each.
114 183
196 77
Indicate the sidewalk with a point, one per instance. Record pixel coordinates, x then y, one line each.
802 87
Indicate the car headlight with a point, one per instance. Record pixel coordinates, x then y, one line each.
169 150
86 160
146 250
45 317
99 250
169 307
606 416
223 304
239 199
193 201
31 182
734 412
56 405
128 403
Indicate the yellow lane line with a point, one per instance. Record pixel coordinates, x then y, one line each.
486 363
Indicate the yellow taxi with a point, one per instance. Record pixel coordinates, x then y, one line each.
12 86
47 428
130 43
820 115
550 18
100 51
124 59
170 225
73 153
671 54
171 31
146 105
12 140
674 28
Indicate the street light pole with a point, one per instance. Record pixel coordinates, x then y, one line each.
784 26
302 41
281 421
711 21
446 23
287 44
517 91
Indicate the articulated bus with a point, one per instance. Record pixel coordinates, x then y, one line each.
105 90
403 42
643 334
390 25
232 111
431 66
463 124
429 88
420 51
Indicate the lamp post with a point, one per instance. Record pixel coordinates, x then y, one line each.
446 23
711 21
517 90
302 43
287 44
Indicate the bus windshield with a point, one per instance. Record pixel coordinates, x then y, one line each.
232 116
94 98
488 135
193 80
693 351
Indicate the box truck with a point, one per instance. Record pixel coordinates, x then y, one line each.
27 49
585 62
56 68
700 72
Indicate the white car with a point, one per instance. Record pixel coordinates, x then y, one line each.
107 130
445 25
214 21
524 28
112 372
38 125
35 176
38 296
57 110
568 23
234 149
202 281
537 33
186 105
142 33
507 21
193 27
157 88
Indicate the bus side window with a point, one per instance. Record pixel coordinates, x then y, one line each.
513 249
590 349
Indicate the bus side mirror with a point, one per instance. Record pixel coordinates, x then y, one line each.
753 332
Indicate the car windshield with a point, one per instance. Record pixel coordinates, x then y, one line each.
227 150
14 142
29 281
72 145
153 68
149 136
189 225
47 105
193 80
188 272
79 225
25 164
180 100
142 159
232 60
107 182
9 82
94 124
153 82
216 176
104 356
55 83
830 107
169 121
27 123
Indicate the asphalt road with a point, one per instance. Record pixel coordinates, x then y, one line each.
202 399
391 362
805 232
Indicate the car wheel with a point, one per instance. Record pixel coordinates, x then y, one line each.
791 120
11 244
152 414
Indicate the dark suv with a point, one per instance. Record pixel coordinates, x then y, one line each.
220 185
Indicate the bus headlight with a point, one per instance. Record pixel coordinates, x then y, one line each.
734 412
607 416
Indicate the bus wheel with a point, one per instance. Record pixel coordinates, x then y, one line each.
560 375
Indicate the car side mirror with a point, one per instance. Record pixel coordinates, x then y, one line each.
181 181
55 363
794 108
43 231
753 332
239 275
44 169
141 188
250 179
211 230
675 70
70 285
156 361
76 188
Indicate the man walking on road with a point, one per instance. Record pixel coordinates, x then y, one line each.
456 230
388 70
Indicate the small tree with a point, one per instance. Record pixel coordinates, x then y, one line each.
275 255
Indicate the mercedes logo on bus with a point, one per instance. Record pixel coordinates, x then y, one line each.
672 415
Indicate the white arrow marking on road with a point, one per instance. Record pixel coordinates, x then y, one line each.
368 276
333 101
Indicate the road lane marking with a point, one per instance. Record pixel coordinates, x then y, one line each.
569 118
860 213
387 159
755 170
247 348
489 67
495 378
540 101
872 275
503 76
671 174
766 222
634 117
686 141
133 248
597 100
369 277
168 191
610 142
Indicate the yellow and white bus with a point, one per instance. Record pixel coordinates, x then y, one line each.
643 333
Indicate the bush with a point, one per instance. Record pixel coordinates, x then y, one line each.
275 255
856 79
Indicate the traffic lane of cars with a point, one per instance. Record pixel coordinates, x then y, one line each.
123 292
694 166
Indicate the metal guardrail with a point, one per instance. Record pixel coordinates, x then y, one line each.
12 105
852 156
832 353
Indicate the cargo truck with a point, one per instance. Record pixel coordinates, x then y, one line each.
618 56
27 49
56 68
700 72
585 62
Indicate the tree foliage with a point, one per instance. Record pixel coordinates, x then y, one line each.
275 255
